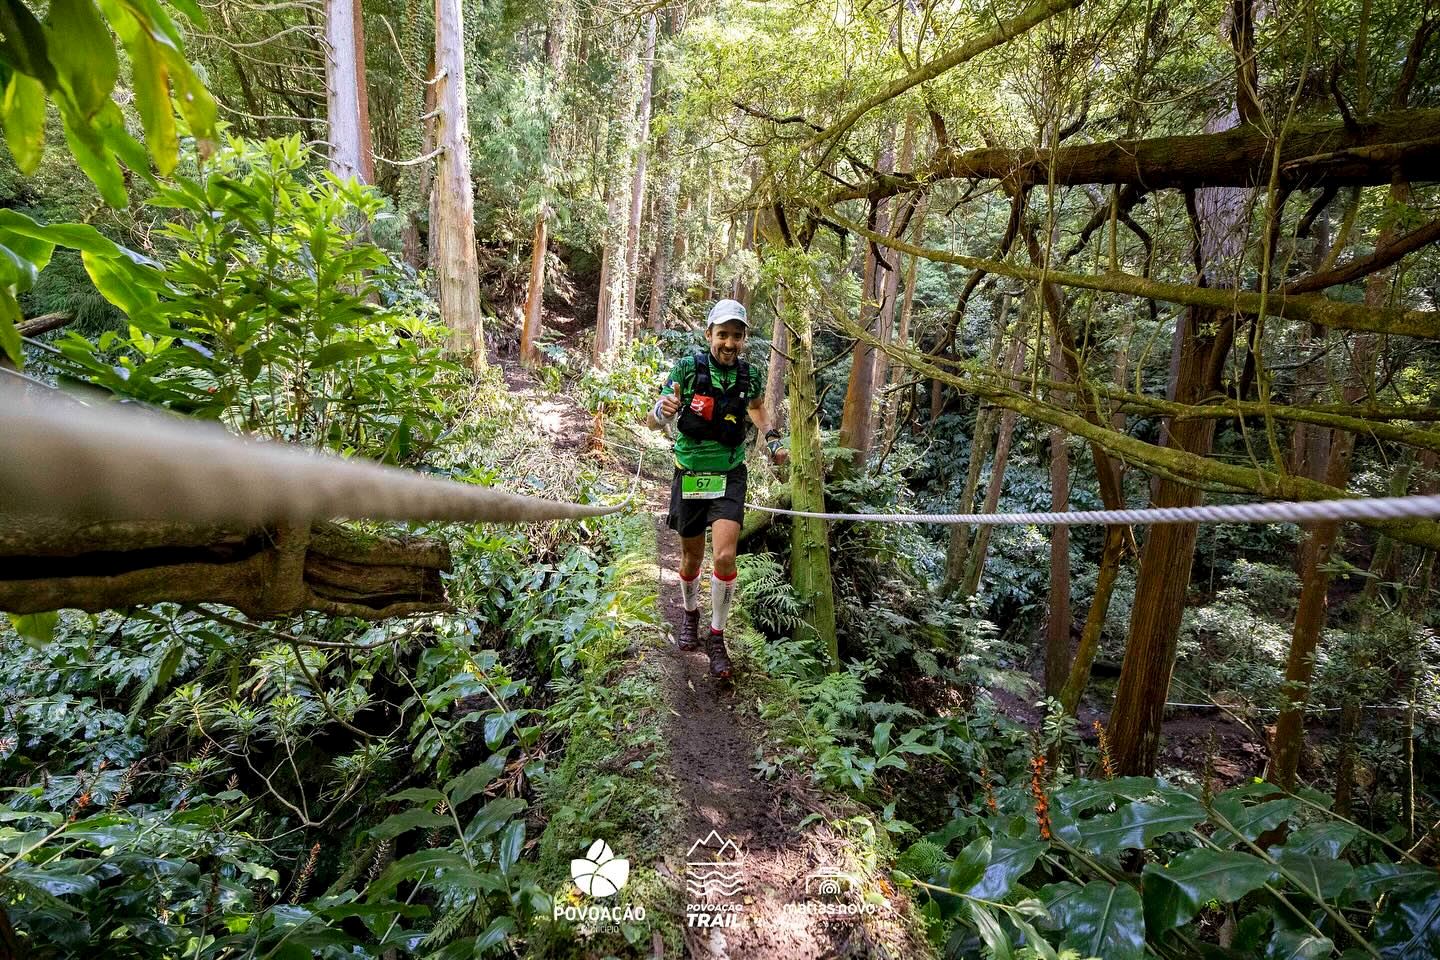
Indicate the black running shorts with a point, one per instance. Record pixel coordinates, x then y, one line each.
691 518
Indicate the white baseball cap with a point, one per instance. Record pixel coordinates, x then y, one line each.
726 310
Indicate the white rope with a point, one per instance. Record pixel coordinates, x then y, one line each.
1305 511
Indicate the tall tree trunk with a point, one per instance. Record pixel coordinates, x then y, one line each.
857 420
611 312
1057 628
531 325
414 249
637 185
907 309
810 543
1310 613
453 243
362 93
957 551
976 566
667 252
532 319
343 85
775 379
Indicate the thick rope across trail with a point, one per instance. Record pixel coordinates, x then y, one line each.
1305 511
112 462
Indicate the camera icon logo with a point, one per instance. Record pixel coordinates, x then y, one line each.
831 884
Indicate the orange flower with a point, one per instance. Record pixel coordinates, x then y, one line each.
1037 789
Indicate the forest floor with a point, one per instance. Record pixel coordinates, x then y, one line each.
770 839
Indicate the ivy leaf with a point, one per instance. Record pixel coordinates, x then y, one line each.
1136 825
1099 920
1408 928
25 121
36 629
1176 892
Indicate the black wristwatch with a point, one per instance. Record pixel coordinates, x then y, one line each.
772 441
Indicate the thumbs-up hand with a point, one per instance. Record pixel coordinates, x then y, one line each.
670 403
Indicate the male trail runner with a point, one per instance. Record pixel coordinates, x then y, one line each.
715 389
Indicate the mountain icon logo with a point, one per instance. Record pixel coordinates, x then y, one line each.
600 873
713 867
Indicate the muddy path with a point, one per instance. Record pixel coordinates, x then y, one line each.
771 865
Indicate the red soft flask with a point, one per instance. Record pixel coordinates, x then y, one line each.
703 407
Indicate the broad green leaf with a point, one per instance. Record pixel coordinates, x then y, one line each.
1083 794
36 629
1375 879
399 823
497 725
1408 927
120 281
22 42
150 79
1253 820
63 880
511 843
990 931
1322 877
77 236
493 816
1009 860
10 341
1321 839
419 795
82 53
95 159
1099 919
1176 892
1136 825
25 121
421 865
474 780
494 935
969 864
1295 945
333 353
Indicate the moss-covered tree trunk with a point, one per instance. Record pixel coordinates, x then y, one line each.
810 546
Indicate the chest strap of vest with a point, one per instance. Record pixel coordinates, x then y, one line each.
703 385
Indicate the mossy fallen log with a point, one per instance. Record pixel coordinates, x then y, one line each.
267 572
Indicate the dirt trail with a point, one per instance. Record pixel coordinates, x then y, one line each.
712 750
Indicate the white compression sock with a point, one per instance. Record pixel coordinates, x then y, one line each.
721 593
690 591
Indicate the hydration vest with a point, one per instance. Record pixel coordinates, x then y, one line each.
715 414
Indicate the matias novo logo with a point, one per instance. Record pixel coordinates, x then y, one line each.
600 873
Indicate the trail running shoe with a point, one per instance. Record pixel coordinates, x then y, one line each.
689 631
719 658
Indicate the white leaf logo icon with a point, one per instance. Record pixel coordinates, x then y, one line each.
600 873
